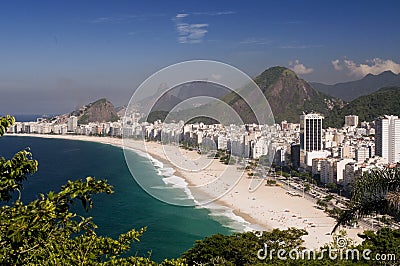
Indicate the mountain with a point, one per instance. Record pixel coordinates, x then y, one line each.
287 94
385 101
168 98
200 88
99 111
120 110
351 90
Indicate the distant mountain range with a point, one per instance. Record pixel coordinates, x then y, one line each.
168 98
287 94
348 91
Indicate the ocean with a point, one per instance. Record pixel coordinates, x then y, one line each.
171 230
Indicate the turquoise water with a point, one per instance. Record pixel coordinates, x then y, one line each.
170 229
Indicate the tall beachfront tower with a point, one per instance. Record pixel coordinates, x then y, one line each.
72 123
311 132
387 138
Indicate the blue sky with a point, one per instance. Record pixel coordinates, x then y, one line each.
58 55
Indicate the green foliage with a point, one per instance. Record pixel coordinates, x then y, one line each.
154 116
244 249
264 160
334 212
383 241
328 198
46 232
14 172
322 203
376 192
271 76
202 119
84 119
368 107
333 187
227 159
241 248
101 110
5 123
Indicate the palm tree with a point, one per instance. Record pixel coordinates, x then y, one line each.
374 192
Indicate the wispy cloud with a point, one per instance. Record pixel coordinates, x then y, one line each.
122 18
303 46
191 33
300 68
181 15
220 13
374 66
256 41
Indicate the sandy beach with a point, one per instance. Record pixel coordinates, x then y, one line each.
211 181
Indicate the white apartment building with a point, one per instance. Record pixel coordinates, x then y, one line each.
362 154
387 138
260 147
328 171
72 124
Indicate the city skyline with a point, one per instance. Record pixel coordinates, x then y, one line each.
59 56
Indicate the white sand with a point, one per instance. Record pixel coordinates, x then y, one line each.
266 206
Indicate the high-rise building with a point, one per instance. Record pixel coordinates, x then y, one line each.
295 155
346 151
351 121
387 138
328 171
362 154
72 123
311 132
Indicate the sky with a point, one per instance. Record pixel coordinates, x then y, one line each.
58 55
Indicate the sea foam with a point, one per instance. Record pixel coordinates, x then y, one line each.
218 212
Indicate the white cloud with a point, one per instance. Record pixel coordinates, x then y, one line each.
299 68
189 32
374 66
120 19
194 32
336 64
182 15
305 46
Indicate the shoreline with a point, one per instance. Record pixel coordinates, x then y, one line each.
265 208
117 142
